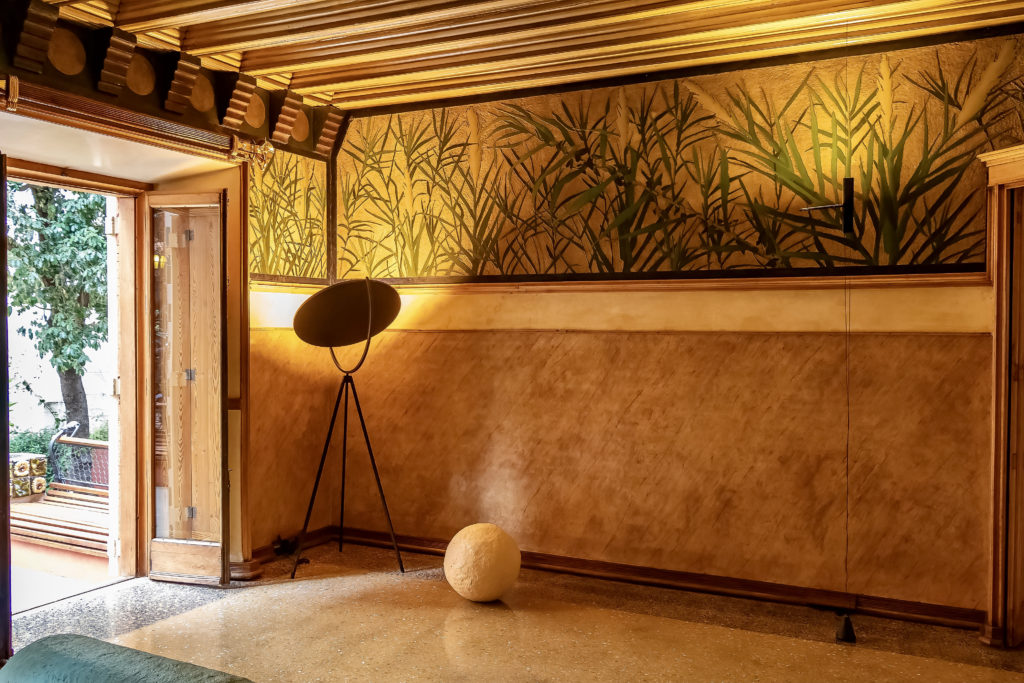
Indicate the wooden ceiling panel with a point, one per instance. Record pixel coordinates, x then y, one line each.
474 42
150 15
326 20
358 53
614 53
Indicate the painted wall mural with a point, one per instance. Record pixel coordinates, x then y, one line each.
287 218
690 177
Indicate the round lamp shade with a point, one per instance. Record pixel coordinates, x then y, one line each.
338 315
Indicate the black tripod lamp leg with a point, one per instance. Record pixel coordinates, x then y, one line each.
316 482
344 461
376 475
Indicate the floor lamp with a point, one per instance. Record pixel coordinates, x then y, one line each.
346 313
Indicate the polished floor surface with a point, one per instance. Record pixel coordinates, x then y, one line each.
351 616
41 575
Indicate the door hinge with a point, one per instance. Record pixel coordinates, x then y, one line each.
190 374
115 390
190 235
112 226
190 512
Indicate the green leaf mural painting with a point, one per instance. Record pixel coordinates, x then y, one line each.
287 214
690 177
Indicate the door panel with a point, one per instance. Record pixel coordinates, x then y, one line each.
171 361
205 343
186 561
187 407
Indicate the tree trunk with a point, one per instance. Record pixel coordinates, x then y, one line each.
76 405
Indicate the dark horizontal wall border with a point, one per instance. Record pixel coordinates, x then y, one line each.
739 273
957 617
288 279
669 74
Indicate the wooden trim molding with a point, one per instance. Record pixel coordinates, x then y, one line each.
956 617
46 174
1005 166
260 282
181 85
120 51
329 133
241 96
247 570
1005 171
34 41
285 123
56 106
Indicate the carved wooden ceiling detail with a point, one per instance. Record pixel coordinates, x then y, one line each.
363 53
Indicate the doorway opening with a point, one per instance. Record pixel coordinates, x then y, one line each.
63 374
91 518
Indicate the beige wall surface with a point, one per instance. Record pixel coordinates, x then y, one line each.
717 440
892 309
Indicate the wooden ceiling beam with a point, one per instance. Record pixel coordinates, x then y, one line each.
864 25
153 15
557 34
88 12
497 77
359 53
323 21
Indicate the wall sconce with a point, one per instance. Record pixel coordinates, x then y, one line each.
258 153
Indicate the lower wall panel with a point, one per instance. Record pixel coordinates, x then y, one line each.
713 453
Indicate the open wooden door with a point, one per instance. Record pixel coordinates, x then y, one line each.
183 384
6 637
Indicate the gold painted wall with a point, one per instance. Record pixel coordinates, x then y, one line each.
690 176
741 433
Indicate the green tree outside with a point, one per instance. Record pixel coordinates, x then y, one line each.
57 269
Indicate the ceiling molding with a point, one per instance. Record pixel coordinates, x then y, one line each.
369 53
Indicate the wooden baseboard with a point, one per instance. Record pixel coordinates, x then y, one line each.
994 636
246 571
957 617
313 538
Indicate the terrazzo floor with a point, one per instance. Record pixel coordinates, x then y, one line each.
351 616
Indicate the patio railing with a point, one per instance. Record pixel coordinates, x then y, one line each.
81 462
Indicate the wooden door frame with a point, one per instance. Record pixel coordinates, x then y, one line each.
128 194
144 248
1004 623
6 631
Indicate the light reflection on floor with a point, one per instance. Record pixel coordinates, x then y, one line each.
351 616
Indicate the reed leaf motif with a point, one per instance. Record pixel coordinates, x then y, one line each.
682 176
287 212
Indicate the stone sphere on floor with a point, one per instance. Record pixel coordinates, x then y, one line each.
481 562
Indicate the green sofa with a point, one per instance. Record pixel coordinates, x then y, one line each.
69 658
